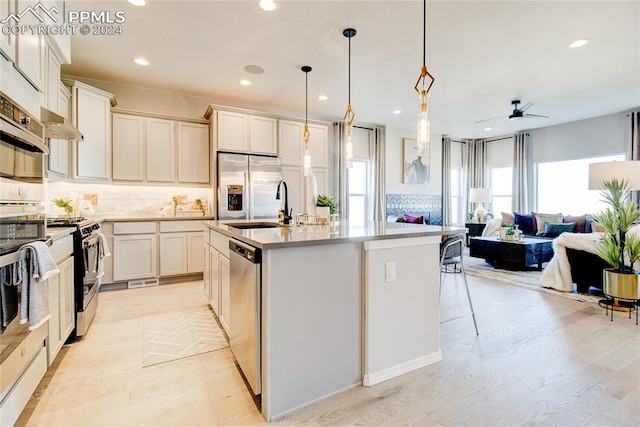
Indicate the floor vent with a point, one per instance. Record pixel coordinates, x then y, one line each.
143 283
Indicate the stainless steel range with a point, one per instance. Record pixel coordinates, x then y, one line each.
87 250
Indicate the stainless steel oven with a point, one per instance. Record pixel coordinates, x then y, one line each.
20 223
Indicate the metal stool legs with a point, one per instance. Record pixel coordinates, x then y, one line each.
450 254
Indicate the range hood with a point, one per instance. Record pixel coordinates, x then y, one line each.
58 127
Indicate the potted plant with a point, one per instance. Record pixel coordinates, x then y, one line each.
325 206
620 281
64 204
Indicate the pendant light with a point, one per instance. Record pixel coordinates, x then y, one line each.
349 115
306 134
422 88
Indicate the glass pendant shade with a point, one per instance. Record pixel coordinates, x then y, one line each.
424 127
307 156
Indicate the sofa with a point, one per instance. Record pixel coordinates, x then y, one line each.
574 259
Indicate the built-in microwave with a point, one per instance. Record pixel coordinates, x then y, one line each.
22 146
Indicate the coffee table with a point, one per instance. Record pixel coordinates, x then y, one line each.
510 254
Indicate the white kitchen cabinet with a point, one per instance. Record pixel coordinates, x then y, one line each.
290 144
232 131
161 150
128 147
214 279
181 247
319 146
294 177
61 297
61 43
30 58
263 135
8 41
173 254
58 159
245 133
61 306
193 152
225 289
53 81
134 250
91 114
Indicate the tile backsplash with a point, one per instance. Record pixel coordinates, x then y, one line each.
398 204
123 200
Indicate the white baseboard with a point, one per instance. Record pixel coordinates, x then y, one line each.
403 368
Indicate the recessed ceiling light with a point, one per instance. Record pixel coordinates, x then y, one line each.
138 2
578 43
245 82
487 129
141 61
397 111
323 97
268 5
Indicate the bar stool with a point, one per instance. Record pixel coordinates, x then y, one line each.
451 253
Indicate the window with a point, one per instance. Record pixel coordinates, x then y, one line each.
501 187
564 186
456 173
358 199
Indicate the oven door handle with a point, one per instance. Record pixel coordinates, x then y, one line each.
91 241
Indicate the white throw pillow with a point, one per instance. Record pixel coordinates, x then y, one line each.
541 219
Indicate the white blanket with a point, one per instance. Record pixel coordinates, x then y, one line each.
557 274
492 228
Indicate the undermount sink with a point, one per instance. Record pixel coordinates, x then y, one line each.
250 225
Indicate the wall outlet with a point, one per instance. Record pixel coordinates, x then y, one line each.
390 272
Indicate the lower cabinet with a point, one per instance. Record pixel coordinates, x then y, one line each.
217 275
180 247
61 306
134 256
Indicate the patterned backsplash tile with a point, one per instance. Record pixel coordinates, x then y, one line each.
398 204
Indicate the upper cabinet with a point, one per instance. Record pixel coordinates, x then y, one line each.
156 150
246 133
8 41
91 114
291 144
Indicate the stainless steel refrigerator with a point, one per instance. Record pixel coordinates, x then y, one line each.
247 186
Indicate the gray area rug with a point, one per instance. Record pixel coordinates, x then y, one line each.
175 336
478 267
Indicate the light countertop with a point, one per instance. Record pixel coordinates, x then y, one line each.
158 218
307 235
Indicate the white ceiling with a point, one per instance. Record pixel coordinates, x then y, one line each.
483 54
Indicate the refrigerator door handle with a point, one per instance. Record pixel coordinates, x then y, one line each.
248 194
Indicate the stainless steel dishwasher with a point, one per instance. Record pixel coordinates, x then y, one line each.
244 297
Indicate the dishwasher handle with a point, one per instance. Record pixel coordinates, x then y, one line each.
245 251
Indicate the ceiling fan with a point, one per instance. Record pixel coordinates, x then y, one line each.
518 112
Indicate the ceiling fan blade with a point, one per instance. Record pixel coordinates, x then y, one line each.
492 118
526 106
536 115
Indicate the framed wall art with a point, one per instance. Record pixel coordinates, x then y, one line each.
415 165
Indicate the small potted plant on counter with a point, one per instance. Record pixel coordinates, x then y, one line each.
325 206
64 204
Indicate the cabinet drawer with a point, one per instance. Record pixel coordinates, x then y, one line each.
180 226
19 359
134 227
220 242
62 249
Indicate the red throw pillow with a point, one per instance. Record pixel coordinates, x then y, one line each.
413 219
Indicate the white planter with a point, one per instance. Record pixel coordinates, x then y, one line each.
323 212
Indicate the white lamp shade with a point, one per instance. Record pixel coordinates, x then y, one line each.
606 171
479 195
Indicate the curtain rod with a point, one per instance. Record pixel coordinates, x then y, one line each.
489 140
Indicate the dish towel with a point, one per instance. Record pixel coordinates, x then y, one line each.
36 265
8 296
103 252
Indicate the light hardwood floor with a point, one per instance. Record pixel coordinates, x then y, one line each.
540 359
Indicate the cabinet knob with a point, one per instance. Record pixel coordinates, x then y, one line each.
25 120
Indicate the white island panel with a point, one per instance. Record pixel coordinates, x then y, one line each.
311 325
402 321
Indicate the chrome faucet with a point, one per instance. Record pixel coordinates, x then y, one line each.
286 213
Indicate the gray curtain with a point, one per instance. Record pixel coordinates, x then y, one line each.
340 168
519 197
446 181
474 161
634 144
376 148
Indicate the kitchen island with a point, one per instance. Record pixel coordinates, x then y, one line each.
339 306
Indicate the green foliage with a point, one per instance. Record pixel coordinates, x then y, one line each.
324 200
616 220
64 203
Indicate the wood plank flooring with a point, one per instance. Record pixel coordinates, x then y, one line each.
540 359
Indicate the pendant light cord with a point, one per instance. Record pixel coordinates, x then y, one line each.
349 97
424 34
306 97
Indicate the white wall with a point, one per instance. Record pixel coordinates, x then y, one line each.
394 162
